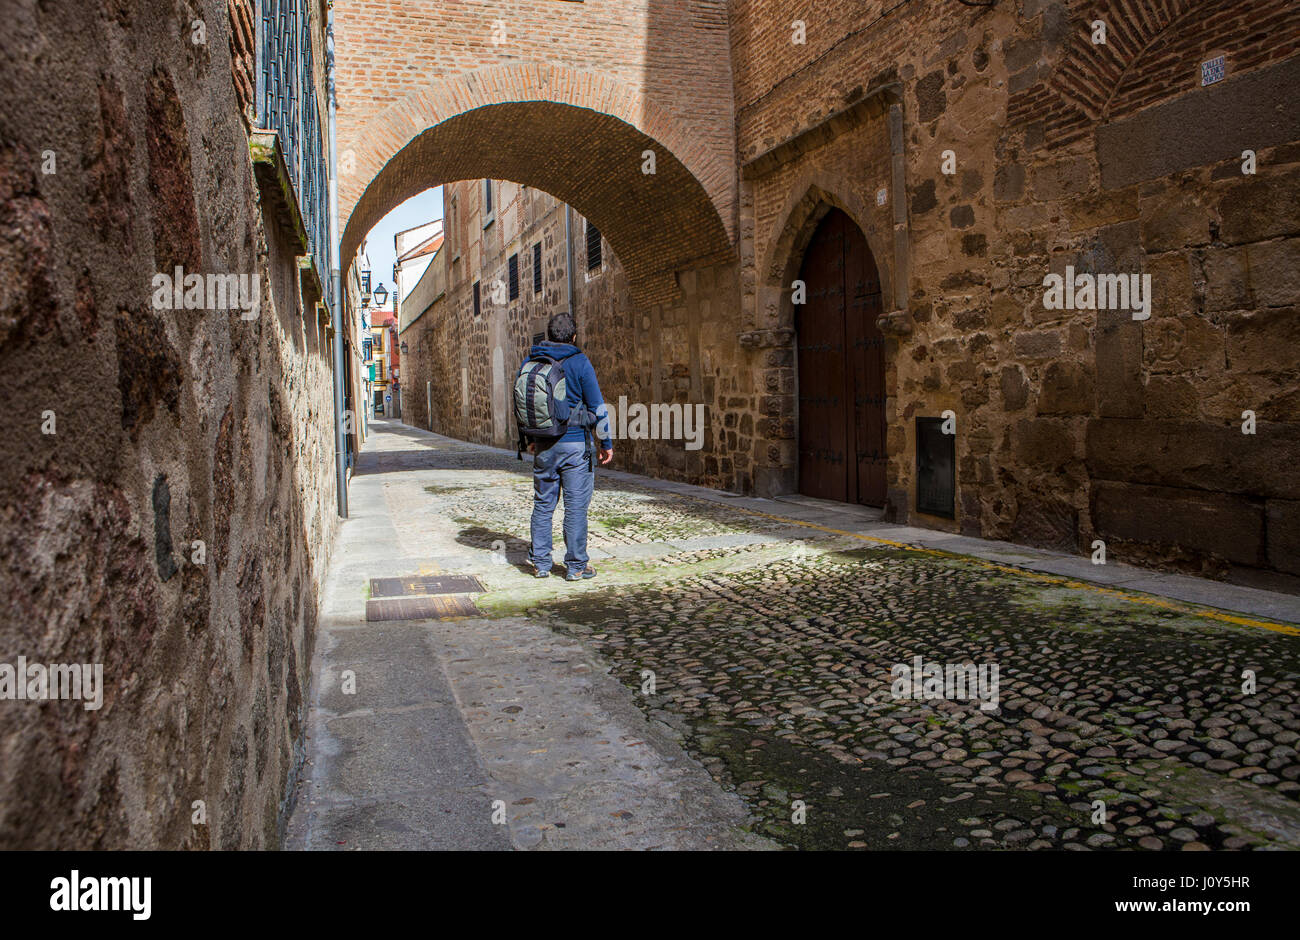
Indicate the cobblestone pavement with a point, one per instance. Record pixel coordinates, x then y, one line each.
770 649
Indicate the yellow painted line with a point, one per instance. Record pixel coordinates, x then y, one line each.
1181 607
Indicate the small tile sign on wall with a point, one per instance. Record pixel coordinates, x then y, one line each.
1212 71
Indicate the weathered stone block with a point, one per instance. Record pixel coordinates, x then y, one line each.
171 179
1193 454
923 198
1049 523
1009 182
974 396
1027 78
775 481
1067 389
1284 534
1174 290
1226 281
1020 53
149 371
1171 396
1175 218
1261 207
1264 340
1182 344
1015 388
1275 272
930 98
1044 444
1096 209
1006 311
1061 178
1119 365
1041 345
1201 128
1230 527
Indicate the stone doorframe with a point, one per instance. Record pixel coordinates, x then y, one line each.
771 333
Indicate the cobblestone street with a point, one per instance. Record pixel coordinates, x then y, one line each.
759 637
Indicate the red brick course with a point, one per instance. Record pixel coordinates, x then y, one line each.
646 75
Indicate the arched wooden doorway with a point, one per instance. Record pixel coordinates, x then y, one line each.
841 368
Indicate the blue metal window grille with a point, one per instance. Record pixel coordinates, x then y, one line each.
286 104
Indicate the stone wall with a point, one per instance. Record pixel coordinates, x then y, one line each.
1072 425
980 149
170 427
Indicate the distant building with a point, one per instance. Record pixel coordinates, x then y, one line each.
415 249
385 364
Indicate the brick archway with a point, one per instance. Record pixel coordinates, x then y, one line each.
580 136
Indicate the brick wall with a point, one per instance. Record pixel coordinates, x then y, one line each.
563 96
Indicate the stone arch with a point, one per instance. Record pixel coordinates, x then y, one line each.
810 199
577 135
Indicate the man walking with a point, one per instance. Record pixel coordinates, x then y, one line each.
566 464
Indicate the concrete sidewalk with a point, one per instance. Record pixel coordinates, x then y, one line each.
449 718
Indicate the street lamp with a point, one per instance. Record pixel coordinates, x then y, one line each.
381 294
403 347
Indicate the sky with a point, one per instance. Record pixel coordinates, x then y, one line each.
417 210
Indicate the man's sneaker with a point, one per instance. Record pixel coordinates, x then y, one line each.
588 572
541 574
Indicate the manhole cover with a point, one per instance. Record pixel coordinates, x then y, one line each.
412 586
445 607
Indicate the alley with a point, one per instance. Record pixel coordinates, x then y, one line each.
730 681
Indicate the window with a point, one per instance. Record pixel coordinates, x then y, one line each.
488 208
477 309
513 267
537 268
285 102
453 232
593 247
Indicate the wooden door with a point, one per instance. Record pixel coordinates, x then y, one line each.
841 368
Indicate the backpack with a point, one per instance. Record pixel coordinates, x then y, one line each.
541 399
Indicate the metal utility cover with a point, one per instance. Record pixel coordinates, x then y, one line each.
936 464
445 607
412 586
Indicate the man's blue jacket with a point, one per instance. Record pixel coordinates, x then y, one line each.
580 380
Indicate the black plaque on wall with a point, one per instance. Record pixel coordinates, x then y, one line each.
936 463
